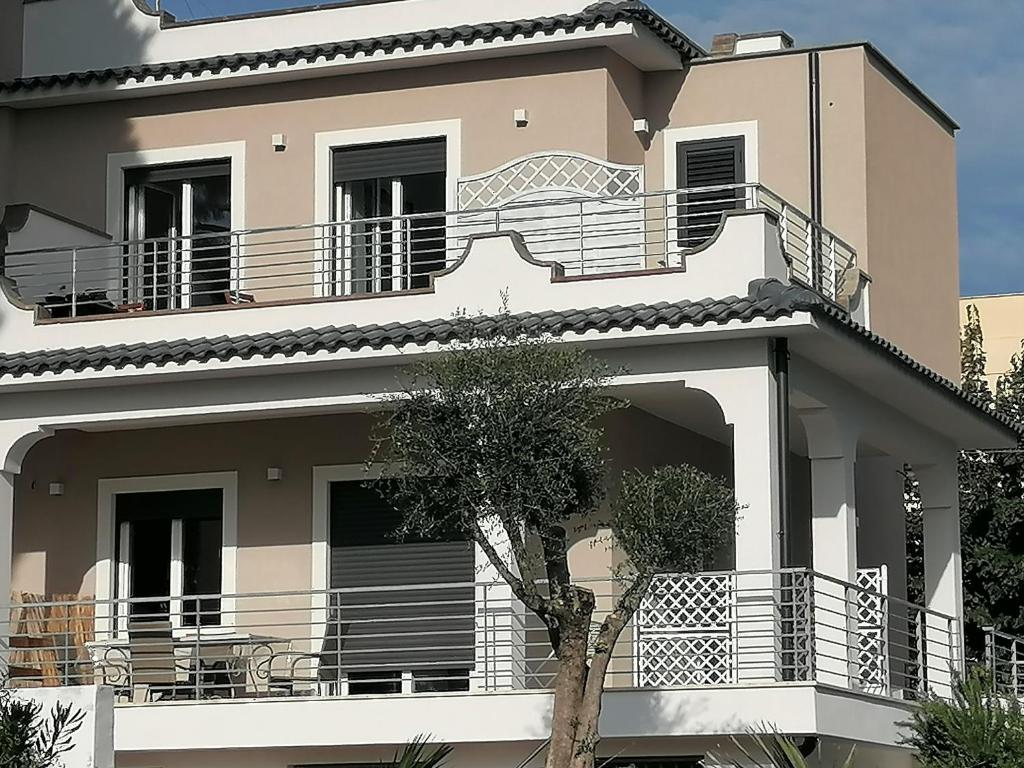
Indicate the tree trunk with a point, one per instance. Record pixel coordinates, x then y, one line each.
569 686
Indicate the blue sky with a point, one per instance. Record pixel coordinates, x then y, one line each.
967 54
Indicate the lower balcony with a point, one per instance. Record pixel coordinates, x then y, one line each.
727 629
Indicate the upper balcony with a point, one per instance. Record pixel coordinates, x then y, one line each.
213 267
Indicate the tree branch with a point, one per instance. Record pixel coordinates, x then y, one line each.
525 590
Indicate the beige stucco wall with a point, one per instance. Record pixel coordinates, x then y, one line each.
913 233
565 95
771 91
888 168
1002 325
55 536
843 167
6 158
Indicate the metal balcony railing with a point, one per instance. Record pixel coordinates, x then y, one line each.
751 628
385 255
1004 659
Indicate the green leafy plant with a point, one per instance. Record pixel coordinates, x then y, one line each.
768 748
501 440
31 739
991 505
975 729
419 754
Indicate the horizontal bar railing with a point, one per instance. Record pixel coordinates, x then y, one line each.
713 629
587 235
1004 659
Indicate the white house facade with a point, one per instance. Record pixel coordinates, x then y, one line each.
224 241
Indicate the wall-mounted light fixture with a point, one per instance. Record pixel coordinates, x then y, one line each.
280 142
56 489
274 474
521 118
641 126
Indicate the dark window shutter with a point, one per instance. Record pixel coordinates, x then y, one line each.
381 161
177 172
711 163
402 629
200 504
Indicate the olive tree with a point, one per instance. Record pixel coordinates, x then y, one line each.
30 738
500 438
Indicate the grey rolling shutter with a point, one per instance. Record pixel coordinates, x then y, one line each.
403 629
178 172
381 161
711 163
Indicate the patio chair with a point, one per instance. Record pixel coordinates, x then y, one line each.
153 665
329 678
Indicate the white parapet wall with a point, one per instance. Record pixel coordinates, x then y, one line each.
94 740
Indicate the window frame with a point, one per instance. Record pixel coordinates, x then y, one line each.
120 162
324 192
109 567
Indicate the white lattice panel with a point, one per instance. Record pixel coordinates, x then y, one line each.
684 630
568 172
872 629
584 213
685 660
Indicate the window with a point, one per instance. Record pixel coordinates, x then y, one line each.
714 169
651 762
416 636
178 218
387 201
169 551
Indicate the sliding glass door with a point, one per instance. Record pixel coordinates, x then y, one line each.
389 201
178 218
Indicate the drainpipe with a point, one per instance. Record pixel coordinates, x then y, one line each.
814 113
780 367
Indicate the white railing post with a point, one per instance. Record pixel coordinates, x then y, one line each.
74 282
236 265
582 263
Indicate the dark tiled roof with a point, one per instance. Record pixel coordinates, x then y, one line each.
353 337
607 12
768 300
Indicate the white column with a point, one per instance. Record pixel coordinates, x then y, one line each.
747 397
500 637
943 575
832 449
6 561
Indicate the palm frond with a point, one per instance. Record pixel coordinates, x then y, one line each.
418 753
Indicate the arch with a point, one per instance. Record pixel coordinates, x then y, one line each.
19 439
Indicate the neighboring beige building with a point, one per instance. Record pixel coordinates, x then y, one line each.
223 241
1002 323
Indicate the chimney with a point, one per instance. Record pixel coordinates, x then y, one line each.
724 44
731 44
761 42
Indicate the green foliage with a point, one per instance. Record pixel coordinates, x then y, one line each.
504 427
972 357
976 729
991 504
768 749
418 754
500 440
30 739
673 519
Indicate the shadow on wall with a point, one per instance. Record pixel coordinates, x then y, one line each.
39 165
